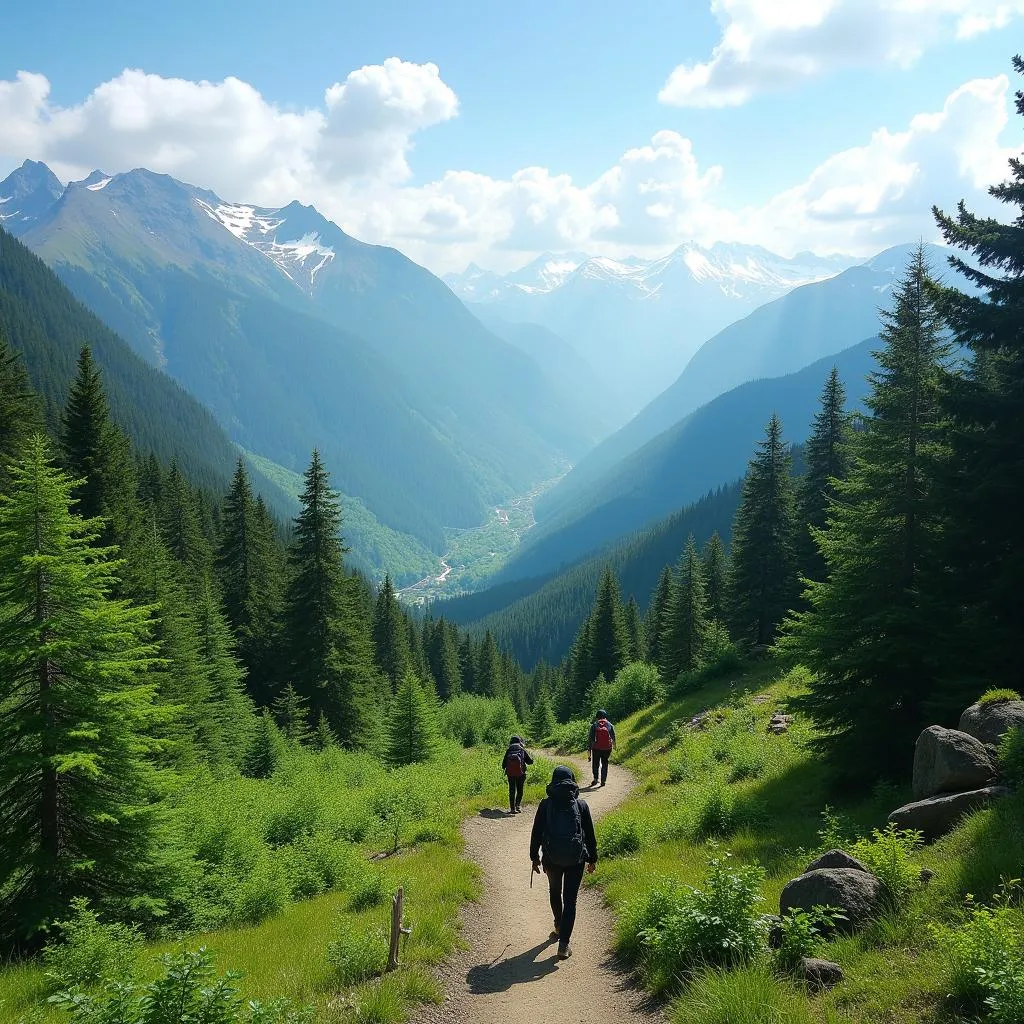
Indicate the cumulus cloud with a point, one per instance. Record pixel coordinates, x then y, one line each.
350 158
773 44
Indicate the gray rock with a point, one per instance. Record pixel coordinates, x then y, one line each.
926 875
938 815
857 893
836 859
819 975
989 722
773 929
949 761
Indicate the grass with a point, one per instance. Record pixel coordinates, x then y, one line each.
733 786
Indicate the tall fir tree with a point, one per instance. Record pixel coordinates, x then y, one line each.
443 656
542 716
657 615
869 635
182 527
984 485
21 411
266 748
490 671
827 456
75 786
412 734
329 646
468 664
291 712
716 578
391 635
635 631
762 580
685 629
609 641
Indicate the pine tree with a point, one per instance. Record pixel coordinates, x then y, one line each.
412 729
266 748
291 712
716 577
686 625
869 635
984 487
391 636
443 657
467 665
763 582
826 454
329 646
657 616
75 809
490 674
181 525
609 649
635 631
542 717
323 738
21 411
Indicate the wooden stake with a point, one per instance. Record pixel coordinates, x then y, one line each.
397 931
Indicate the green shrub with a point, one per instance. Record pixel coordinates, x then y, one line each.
749 995
636 686
187 992
716 816
357 954
835 832
721 658
888 855
1011 757
371 890
621 836
89 951
470 719
263 894
571 737
998 696
803 932
716 925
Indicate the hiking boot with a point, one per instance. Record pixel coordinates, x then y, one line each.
564 951
604 782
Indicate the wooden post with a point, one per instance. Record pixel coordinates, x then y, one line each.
397 914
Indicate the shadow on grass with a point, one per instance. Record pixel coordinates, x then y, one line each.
501 975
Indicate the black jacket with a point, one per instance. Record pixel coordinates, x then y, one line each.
593 734
516 746
563 788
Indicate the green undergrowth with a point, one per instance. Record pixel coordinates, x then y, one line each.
289 881
726 813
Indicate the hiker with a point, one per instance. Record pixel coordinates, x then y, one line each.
513 764
564 830
600 745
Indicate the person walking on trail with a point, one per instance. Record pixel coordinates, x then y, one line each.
513 764
564 830
600 745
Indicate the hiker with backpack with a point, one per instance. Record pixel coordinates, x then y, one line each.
513 764
564 830
600 745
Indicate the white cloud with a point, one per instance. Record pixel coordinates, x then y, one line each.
773 44
350 159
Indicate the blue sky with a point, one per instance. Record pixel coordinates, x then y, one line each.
566 87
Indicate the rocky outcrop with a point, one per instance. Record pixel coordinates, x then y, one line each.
991 721
938 815
836 859
857 893
950 761
819 975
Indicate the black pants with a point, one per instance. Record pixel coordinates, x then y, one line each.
564 886
599 760
515 791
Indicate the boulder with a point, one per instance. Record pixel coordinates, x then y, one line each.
926 875
836 859
938 815
990 722
950 761
856 893
819 975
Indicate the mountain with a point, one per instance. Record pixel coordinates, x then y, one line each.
538 619
807 324
26 194
294 334
48 326
637 322
704 450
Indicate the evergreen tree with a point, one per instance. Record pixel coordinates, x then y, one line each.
490 674
329 654
635 631
412 729
984 488
181 524
542 717
609 642
686 625
75 809
467 665
657 616
869 635
716 577
763 582
21 412
391 635
826 454
266 748
443 657
323 738
291 713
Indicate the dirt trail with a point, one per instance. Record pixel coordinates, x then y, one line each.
509 974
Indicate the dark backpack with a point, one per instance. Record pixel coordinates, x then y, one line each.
564 845
515 763
603 735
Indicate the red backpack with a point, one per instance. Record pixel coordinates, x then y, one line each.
603 735
515 763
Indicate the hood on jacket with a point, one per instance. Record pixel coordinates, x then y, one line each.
515 740
563 786
600 715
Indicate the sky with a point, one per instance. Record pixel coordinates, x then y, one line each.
490 133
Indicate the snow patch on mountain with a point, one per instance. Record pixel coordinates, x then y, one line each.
96 186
